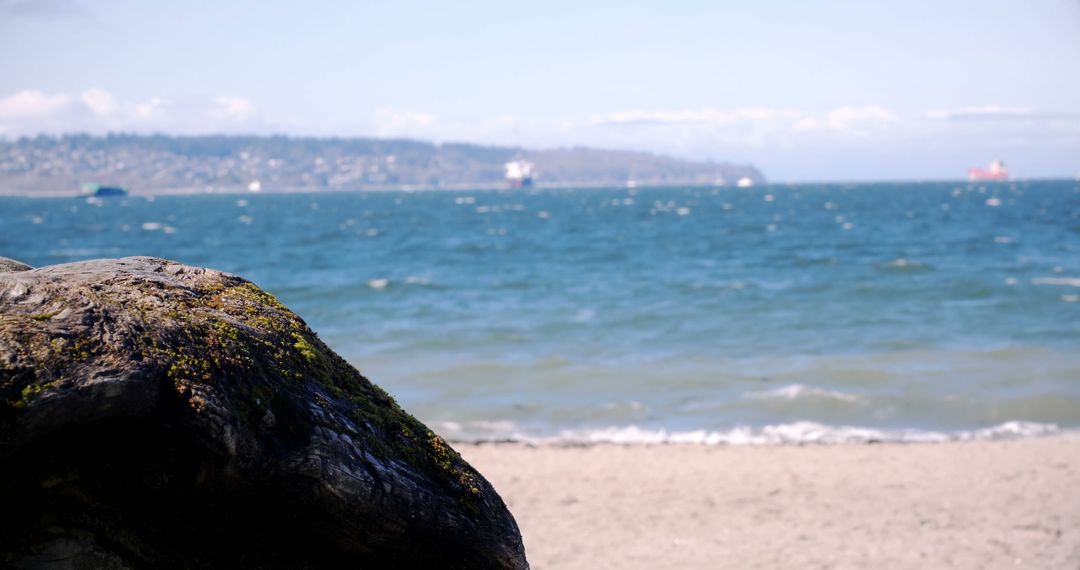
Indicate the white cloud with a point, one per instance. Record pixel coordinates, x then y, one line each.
980 112
403 123
31 104
154 108
32 112
235 107
102 103
748 127
695 117
859 119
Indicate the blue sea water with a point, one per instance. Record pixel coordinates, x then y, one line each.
919 311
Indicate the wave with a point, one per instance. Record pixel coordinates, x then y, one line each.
1058 281
800 391
780 434
904 264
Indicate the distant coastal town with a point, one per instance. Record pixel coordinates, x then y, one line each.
158 164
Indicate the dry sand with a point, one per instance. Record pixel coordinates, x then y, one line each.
1001 504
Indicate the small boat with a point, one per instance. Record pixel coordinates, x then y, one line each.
102 191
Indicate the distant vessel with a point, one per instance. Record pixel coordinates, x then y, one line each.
744 182
519 173
101 191
996 171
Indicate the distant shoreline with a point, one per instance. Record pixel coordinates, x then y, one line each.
484 187
190 164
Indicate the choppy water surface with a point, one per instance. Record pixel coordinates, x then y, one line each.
782 313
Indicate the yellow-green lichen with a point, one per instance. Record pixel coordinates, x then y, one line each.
251 292
32 391
304 348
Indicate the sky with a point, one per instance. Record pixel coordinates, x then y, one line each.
824 90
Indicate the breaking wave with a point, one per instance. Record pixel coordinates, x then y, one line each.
779 434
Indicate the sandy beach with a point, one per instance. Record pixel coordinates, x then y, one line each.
980 504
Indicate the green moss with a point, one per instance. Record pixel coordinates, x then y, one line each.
44 316
304 348
32 391
251 292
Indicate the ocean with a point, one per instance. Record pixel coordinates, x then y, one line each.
781 313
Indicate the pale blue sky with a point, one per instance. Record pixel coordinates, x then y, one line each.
828 90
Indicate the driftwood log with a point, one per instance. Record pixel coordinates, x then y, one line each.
158 415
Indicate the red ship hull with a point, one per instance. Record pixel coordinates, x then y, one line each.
982 174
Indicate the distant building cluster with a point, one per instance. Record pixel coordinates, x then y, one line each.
147 164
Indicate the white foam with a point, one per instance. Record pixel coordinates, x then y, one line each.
904 263
585 315
633 406
779 434
800 391
802 432
378 283
1061 281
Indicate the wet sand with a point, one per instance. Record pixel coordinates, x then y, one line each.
984 504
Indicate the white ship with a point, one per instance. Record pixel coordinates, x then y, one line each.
519 173
745 182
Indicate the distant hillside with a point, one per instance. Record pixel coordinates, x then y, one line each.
157 163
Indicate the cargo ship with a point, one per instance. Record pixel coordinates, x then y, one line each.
519 173
996 171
